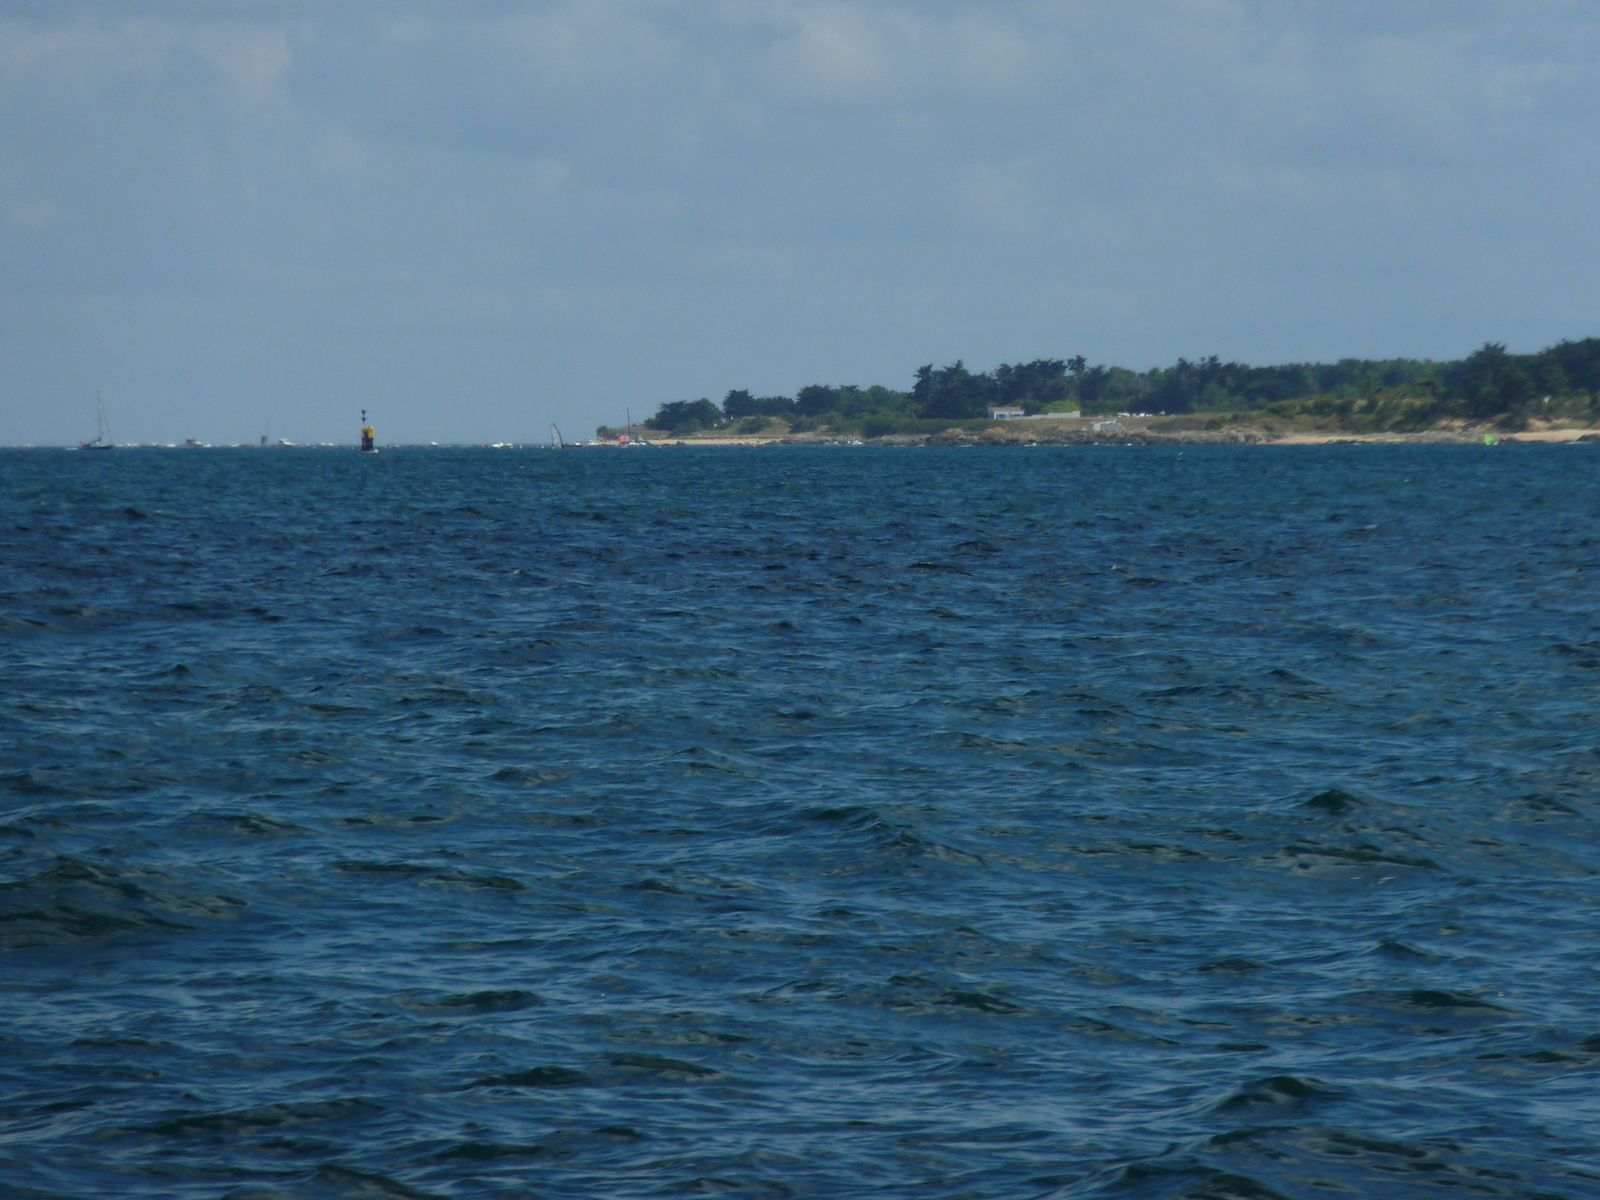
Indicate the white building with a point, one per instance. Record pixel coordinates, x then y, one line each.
1004 412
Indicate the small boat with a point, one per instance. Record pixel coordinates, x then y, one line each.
628 440
102 437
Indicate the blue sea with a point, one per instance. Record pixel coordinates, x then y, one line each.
1081 822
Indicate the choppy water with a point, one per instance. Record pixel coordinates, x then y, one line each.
831 822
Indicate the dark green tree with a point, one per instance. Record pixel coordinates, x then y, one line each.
686 416
1579 363
742 404
952 393
1489 382
814 400
1033 386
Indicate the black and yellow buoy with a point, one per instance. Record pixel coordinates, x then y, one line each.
367 434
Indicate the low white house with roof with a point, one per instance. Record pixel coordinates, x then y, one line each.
1004 412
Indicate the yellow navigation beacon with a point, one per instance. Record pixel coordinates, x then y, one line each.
367 434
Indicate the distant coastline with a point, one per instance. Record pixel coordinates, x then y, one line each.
1195 430
1066 400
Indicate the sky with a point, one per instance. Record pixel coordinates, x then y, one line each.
477 218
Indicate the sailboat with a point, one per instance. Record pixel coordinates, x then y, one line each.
631 441
102 436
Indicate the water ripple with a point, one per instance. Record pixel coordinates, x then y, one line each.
1074 822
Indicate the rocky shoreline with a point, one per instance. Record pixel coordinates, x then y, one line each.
1147 431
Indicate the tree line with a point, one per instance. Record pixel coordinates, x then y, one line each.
1490 384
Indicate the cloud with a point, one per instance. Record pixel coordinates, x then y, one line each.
857 186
